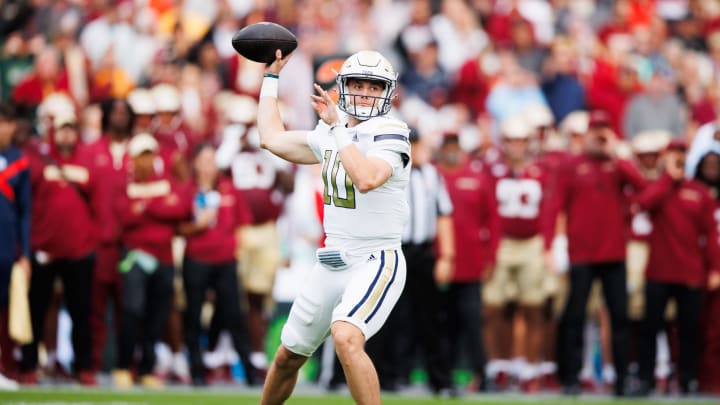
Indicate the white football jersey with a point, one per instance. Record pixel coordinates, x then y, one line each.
364 222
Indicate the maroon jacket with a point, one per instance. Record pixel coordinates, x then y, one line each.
683 241
113 171
176 141
591 192
149 212
64 203
217 244
474 220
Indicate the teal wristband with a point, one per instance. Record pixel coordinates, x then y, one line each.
272 75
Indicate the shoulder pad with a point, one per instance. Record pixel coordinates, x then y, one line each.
390 125
392 134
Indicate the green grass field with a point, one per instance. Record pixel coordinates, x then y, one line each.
223 397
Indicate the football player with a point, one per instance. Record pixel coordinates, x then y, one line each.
525 235
360 273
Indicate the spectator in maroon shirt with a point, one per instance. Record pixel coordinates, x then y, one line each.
613 82
684 259
174 137
63 240
47 77
218 211
473 221
470 87
149 209
591 194
110 161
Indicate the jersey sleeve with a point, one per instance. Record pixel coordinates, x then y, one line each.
314 136
390 143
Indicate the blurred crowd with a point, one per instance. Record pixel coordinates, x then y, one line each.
577 139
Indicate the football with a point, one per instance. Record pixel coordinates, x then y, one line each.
259 41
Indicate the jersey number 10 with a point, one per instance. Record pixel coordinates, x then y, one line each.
349 200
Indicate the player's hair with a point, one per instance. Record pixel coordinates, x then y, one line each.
107 106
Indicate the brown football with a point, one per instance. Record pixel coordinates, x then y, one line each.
259 41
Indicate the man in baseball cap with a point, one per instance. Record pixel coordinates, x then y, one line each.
150 207
142 143
678 267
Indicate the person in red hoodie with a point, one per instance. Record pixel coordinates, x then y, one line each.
684 258
591 193
149 208
110 162
218 212
63 241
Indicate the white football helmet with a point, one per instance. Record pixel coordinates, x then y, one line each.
366 65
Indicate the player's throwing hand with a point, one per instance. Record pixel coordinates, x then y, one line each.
324 106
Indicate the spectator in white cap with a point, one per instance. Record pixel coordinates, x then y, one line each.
647 147
541 121
174 138
65 207
143 106
53 104
574 128
149 207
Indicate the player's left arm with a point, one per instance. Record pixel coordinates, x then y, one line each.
366 172
390 150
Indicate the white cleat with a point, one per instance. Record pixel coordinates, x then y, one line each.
7 384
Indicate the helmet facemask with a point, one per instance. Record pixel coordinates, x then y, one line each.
380 104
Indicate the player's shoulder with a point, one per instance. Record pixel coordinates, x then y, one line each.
388 125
